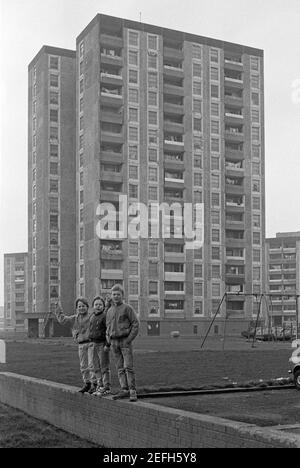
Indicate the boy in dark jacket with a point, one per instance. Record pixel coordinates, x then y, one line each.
80 331
98 351
122 327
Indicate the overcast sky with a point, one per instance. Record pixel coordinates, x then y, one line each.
272 25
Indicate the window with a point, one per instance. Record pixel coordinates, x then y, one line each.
197 270
256 151
255 81
53 204
197 124
255 168
255 99
198 143
133 249
256 255
256 274
133 172
215 181
153 193
81 68
153 249
256 238
215 199
133 268
53 97
215 163
197 69
133 38
216 271
214 74
197 106
133 57
153 270
81 196
215 235
133 76
53 185
152 135
81 49
152 61
216 289
256 221
198 161
133 133
255 115
133 152
53 80
214 127
214 91
81 86
133 114
254 63
198 196
198 179
133 191
152 98
54 274
256 203
133 95
152 42
215 253
255 133
256 186
214 55
215 217
198 289
133 287
53 133
197 88
152 154
152 117
153 288
153 174
214 109
196 51
54 63
53 115
152 80
215 145
81 105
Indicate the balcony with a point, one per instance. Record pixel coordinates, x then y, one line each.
235 243
111 251
171 53
174 183
174 257
233 169
176 109
111 117
108 136
233 63
111 97
111 156
110 78
234 189
233 117
233 100
174 165
109 195
111 57
112 274
233 134
173 127
235 225
173 70
111 176
173 89
172 276
111 40
234 82
173 144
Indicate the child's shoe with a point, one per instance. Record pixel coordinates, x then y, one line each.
133 395
121 394
104 392
85 388
93 389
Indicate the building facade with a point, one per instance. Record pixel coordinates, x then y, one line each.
165 116
283 277
15 291
51 186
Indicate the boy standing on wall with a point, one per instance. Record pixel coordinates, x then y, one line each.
122 326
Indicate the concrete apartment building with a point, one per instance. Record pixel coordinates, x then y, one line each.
1 318
168 116
15 291
51 186
283 276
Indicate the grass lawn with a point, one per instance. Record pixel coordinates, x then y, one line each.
185 367
18 430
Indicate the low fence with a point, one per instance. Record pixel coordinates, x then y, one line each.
122 424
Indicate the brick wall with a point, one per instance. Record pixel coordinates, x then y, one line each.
123 424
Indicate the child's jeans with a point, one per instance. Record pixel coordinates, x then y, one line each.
123 355
83 350
99 365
